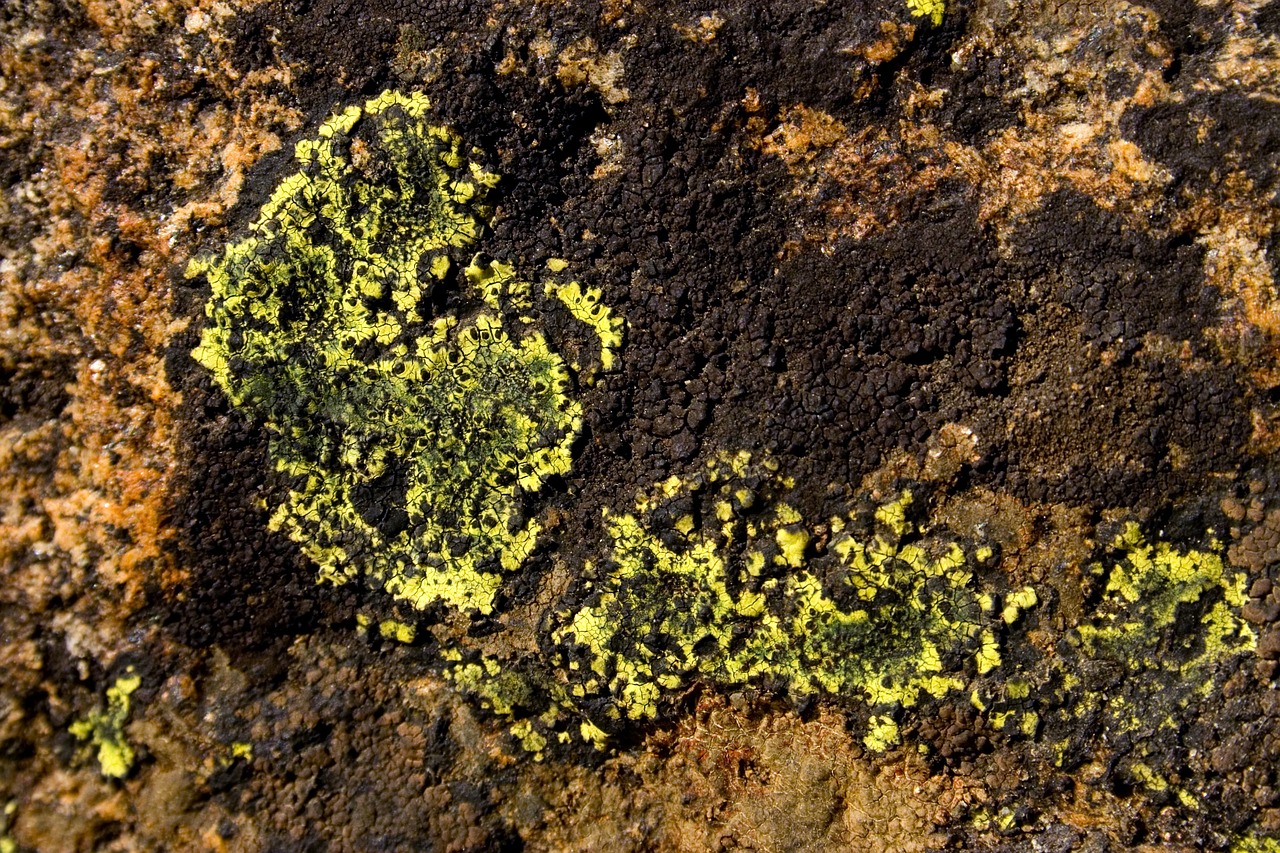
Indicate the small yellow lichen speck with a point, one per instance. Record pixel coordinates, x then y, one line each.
882 734
530 739
1256 844
1017 602
7 844
931 9
401 632
105 728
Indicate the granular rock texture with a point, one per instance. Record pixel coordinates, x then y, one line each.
765 425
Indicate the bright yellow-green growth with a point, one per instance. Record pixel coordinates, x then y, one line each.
530 738
1016 602
500 690
105 728
1256 844
1168 610
882 733
585 305
931 9
409 438
7 844
744 602
401 632
1167 618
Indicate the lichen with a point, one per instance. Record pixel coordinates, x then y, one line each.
410 440
1166 620
585 305
394 629
7 843
746 600
882 733
1150 593
499 690
530 739
104 728
931 9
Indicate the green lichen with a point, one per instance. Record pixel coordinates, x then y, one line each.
1002 821
499 690
530 739
410 440
748 601
104 728
585 305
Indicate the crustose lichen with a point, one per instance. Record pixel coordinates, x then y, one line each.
104 728
410 440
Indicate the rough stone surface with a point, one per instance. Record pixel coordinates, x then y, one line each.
1020 263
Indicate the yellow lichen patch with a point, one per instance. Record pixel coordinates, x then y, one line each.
500 690
742 602
1016 602
882 734
1148 594
497 283
931 9
105 728
988 656
7 844
1148 777
1167 618
401 632
791 543
593 734
1256 844
409 439
585 306
894 515
530 738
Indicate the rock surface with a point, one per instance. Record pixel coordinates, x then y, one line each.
924 496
